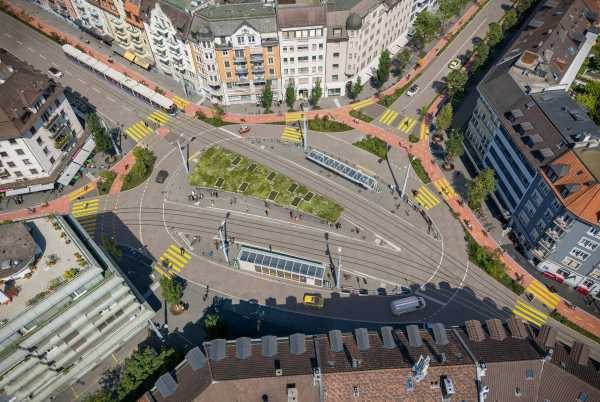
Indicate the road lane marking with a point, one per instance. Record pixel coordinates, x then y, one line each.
43 57
7 34
110 99
82 81
95 90
19 42
30 49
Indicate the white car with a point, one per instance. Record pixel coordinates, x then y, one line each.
454 64
412 91
55 72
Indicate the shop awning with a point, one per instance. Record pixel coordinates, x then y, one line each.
129 56
29 189
69 173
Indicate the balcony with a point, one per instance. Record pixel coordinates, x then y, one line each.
63 141
541 254
548 244
239 60
256 57
563 223
258 69
159 44
241 70
554 234
162 30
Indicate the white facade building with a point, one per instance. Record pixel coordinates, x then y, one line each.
91 17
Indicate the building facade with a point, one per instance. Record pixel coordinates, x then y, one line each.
91 16
57 336
38 128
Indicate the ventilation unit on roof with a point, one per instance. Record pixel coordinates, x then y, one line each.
414 336
448 386
269 345
362 339
439 334
297 344
336 343
195 358
475 331
496 329
166 385
216 349
420 368
243 348
388 338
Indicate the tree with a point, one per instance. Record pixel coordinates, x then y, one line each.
482 186
266 99
172 291
427 25
482 52
140 369
446 9
444 118
455 81
110 246
455 146
383 70
523 5
214 325
401 60
354 89
290 95
495 34
510 19
101 137
316 92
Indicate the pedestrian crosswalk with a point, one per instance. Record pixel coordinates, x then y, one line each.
424 132
72 196
85 208
173 260
407 124
529 314
425 198
291 134
388 117
363 103
88 223
293 117
445 189
542 294
139 130
159 117
179 102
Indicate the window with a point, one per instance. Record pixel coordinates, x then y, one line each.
529 374
26 162
227 64
548 214
523 218
19 151
320 46
11 164
595 274
537 198
39 140
579 254
3 154
555 204
228 74
272 71
240 40
336 54
588 243
334 77
270 60
529 208
33 171
355 392
52 160
570 263
18 174
46 152
336 66
594 232
251 39
583 397
12 141
543 189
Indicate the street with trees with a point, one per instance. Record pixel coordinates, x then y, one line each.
482 186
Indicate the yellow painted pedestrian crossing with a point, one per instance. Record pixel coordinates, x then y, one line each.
174 258
426 198
293 117
388 117
542 294
407 124
180 102
363 103
291 134
424 132
85 208
159 117
88 223
81 191
445 189
139 130
529 314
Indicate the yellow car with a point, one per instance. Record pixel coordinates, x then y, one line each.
313 300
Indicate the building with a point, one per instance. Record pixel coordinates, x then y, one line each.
493 362
241 42
357 33
303 38
61 322
18 250
90 16
39 131
167 28
524 123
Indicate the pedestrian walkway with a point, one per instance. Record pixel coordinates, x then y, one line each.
139 131
529 314
408 124
426 198
85 208
293 117
180 102
172 261
424 133
541 293
445 189
291 134
363 103
80 192
159 117
388 117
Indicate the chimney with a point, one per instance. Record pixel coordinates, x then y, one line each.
475 330
362 339
580 353
496 329
166 385
243 348
23 99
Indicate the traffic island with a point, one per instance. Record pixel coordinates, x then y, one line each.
225 170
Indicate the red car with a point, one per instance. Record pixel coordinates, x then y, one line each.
554 277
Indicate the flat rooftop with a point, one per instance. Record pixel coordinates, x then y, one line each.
59 254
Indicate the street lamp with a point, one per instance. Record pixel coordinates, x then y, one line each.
339 270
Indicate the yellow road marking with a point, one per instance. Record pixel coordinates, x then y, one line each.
291 134
529 313
159 117
167 274
181 103
407 124
362 103
388 117
84 208
543 294
83 190
445 188
426 198
424 131
174 248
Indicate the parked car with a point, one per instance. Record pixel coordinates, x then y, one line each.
161 176
454 64
412 91
55 72
313 300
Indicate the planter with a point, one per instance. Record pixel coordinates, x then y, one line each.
177 309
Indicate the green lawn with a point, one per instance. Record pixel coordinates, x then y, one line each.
218 163
373 145
325 124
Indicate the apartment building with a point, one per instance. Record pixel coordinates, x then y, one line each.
91 16
167 27
61 321
65 8
495 362
303 41
245 49
38 128
357 33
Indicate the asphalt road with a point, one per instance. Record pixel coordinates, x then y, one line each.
144 218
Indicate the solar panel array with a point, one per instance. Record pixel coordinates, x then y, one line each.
269 345
281 262
343 169
362 339
195 358
439 334
336 343
414 336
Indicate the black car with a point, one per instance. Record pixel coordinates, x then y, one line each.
161 176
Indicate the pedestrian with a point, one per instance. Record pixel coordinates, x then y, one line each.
291 215
270 247
266 212
181 250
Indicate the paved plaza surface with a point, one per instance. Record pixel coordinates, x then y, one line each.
384 243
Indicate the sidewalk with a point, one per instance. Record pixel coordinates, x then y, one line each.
121 168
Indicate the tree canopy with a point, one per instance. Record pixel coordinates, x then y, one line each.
172 290
290 94
316 92
482 186
101 137
427 26
455 146
455 81
444 118
383 70
266 99
495 34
